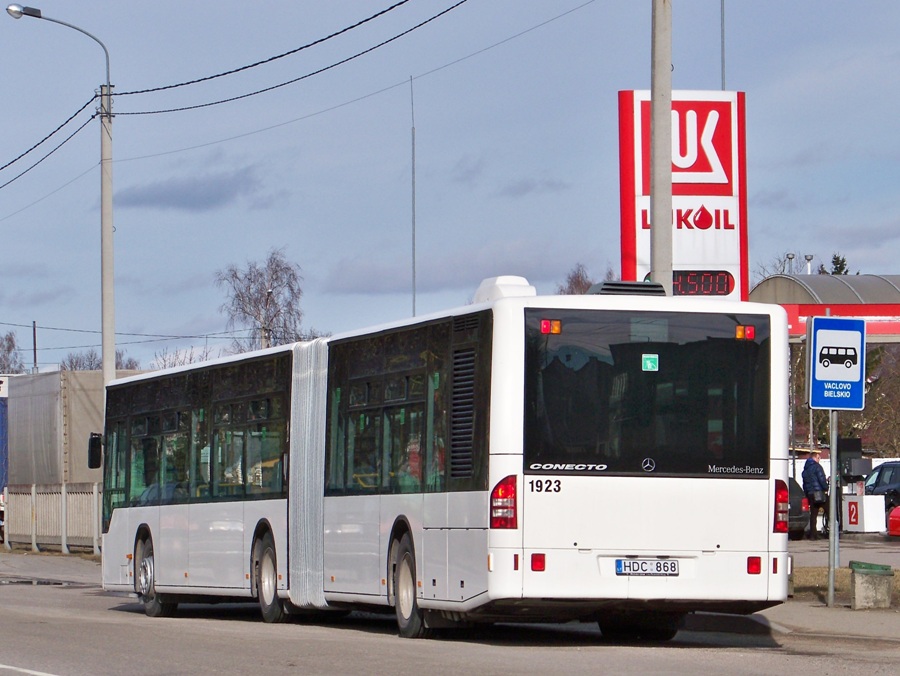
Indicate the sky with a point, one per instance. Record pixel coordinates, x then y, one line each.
514 104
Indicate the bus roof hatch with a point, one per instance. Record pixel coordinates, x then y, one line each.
507 286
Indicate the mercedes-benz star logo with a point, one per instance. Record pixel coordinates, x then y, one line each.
648 464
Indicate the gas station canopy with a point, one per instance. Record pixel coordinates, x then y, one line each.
875 298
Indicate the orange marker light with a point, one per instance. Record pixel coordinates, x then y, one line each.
551 326
745 332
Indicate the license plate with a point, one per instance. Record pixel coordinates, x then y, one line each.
665 567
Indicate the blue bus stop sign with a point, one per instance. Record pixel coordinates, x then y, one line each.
836 368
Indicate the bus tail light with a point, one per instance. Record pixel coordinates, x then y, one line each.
782 506
745 332
503 504
754 565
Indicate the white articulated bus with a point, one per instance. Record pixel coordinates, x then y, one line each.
619 459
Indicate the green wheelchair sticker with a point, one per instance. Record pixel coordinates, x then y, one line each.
650 362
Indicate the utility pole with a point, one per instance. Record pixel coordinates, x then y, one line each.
412 109
661 146
107 283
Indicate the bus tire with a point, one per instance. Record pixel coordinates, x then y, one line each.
410 620
155 605
267 582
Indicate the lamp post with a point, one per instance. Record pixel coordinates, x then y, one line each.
108 322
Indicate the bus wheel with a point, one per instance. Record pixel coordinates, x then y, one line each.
267 581
155 605
410 620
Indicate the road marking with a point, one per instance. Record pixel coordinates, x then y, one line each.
25 671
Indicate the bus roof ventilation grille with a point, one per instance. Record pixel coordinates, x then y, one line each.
466 323
628 289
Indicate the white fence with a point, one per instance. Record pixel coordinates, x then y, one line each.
60 515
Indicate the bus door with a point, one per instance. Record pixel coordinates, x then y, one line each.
217 521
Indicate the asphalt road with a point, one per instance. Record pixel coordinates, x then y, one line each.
55 619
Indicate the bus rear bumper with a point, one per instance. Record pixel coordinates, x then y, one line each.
721 581
593 610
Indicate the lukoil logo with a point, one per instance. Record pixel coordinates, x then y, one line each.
695 219
703 148
686 150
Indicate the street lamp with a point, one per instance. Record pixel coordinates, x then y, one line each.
108 321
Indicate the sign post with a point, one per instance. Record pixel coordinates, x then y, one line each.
836 377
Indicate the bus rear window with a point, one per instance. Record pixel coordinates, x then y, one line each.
646 393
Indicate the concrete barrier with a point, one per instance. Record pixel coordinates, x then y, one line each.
871 585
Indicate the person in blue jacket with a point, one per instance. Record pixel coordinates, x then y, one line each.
814 480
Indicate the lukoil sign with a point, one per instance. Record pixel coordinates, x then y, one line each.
709 213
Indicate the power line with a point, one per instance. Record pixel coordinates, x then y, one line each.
357 99
246 333
271 58
64 142
49 194
319 112
51 134
155 336
197 81
302 77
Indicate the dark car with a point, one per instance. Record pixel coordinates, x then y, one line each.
798 513
885 480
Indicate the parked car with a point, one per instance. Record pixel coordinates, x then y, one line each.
798 513
885 480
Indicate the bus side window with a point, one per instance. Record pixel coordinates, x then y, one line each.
403 452
435 431
176 461
145 471
363 467
228 453
200 455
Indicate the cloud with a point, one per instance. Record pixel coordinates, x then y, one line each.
467 170
444 270
531 186
194 193
781 199
38 297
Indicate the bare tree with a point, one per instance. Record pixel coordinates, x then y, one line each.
787 264
579 282
779 265
166 359
10 361
264 298
90 360
879 423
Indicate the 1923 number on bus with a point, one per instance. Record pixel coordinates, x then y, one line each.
545 486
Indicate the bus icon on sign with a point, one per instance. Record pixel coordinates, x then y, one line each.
829 355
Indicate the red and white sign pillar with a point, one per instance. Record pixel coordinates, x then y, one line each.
709 191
